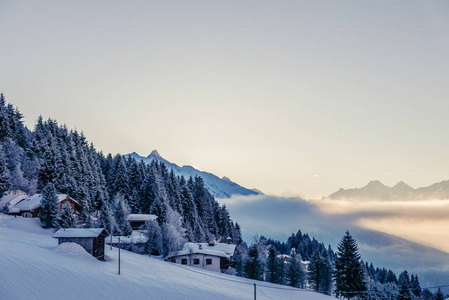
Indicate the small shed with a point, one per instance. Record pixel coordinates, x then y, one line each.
91 239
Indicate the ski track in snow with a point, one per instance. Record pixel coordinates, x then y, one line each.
31 267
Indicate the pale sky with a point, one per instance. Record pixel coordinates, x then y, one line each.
290 97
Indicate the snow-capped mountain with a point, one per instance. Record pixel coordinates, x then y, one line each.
376 190
218 187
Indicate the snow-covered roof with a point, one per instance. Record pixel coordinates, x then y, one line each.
30 203
141 217
135 238
218 249
14 210
34 201
12 198
79 232
204 251
226 248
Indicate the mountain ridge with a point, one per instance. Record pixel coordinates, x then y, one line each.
376 190
218 187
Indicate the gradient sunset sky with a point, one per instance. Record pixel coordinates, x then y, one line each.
290 97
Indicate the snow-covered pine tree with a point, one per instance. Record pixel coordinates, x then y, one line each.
153 246
349 275
320 272
106 220
173 234
439 295
4 173
240 256
148 191
295 271
404 291
121 212
121 180
272 266
415 286
253 267
66 218
49 207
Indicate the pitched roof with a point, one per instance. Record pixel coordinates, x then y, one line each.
79 232
141 217
34 201
218 249
12 198
134 238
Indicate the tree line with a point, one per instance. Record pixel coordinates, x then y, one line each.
53 159
303 262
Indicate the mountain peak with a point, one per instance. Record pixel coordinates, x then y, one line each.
375 183
402 184
154 153
225 178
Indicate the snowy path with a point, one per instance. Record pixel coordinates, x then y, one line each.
31 268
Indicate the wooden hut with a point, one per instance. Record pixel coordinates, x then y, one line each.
91 239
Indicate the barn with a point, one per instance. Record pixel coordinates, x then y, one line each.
91 239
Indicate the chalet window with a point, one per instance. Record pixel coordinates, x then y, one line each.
184 261
196 261
208 261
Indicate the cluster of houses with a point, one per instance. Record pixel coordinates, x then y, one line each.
210 256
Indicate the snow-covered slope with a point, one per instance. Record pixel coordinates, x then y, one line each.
33 266
376 190
218 187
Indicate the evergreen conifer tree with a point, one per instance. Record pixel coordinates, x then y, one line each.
320 273
66 218
349 275
106 219
121 213
153 246
404 292
253 266
240 255
415 286
49 207
272 266
173 234
439 295
4 173
295 271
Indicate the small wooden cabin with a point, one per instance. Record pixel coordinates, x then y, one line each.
91 239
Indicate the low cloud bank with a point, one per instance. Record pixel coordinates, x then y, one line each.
396 235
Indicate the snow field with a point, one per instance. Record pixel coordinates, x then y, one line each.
33 266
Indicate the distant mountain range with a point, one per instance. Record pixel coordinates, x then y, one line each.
218 187
376 190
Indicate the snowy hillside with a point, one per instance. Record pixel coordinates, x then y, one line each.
218 187
33 266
